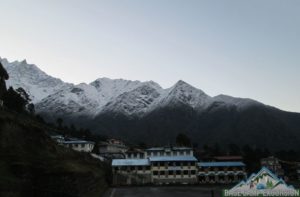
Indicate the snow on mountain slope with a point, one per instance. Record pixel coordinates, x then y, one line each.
184 93
240 103
88 99
53 96
110 89
136 101
81 99
34 81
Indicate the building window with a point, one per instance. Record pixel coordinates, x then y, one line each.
185 172
178 172
155 173
171 172
162 173
140 168
193 172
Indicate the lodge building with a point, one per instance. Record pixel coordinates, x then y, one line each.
161 165
172 165
221 172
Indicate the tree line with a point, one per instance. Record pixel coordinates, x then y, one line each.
16 100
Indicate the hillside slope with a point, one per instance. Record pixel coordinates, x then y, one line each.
33 165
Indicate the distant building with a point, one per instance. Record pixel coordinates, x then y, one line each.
113 149
74 143
173 169
169 151
131 171
164 165
135 153
80 145
221 172
273 164
58 138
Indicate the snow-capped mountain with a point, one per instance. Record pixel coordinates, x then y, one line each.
145 112
104 95
34 81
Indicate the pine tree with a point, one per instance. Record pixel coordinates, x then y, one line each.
14 101
3 76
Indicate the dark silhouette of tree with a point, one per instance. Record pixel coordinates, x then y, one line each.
59 122
31 108
216 150
3 76
183 140
234 149
14 101
23 94
40 119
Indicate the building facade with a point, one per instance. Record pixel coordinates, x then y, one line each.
174 169
221 172
80 145
112 149
74 143
131 171
273 164
163 165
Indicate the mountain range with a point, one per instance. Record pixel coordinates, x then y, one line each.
145 112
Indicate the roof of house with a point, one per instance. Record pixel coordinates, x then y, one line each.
78 142
167 148
173 158
237 157
221 164
130 162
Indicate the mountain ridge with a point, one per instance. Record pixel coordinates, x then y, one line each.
145 112
99 95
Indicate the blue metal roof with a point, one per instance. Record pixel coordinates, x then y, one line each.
130 162
173 158
221 164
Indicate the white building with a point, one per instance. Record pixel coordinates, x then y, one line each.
80 145
112 146
163 165
221 172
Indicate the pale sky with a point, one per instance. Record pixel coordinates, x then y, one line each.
240 48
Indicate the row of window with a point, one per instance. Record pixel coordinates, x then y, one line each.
160 153
176 172
76 145
135 155
173 153
174 163
222 168
222 177
132 168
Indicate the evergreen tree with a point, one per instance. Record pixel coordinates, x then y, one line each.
14 101
3 76
59 122
23 94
